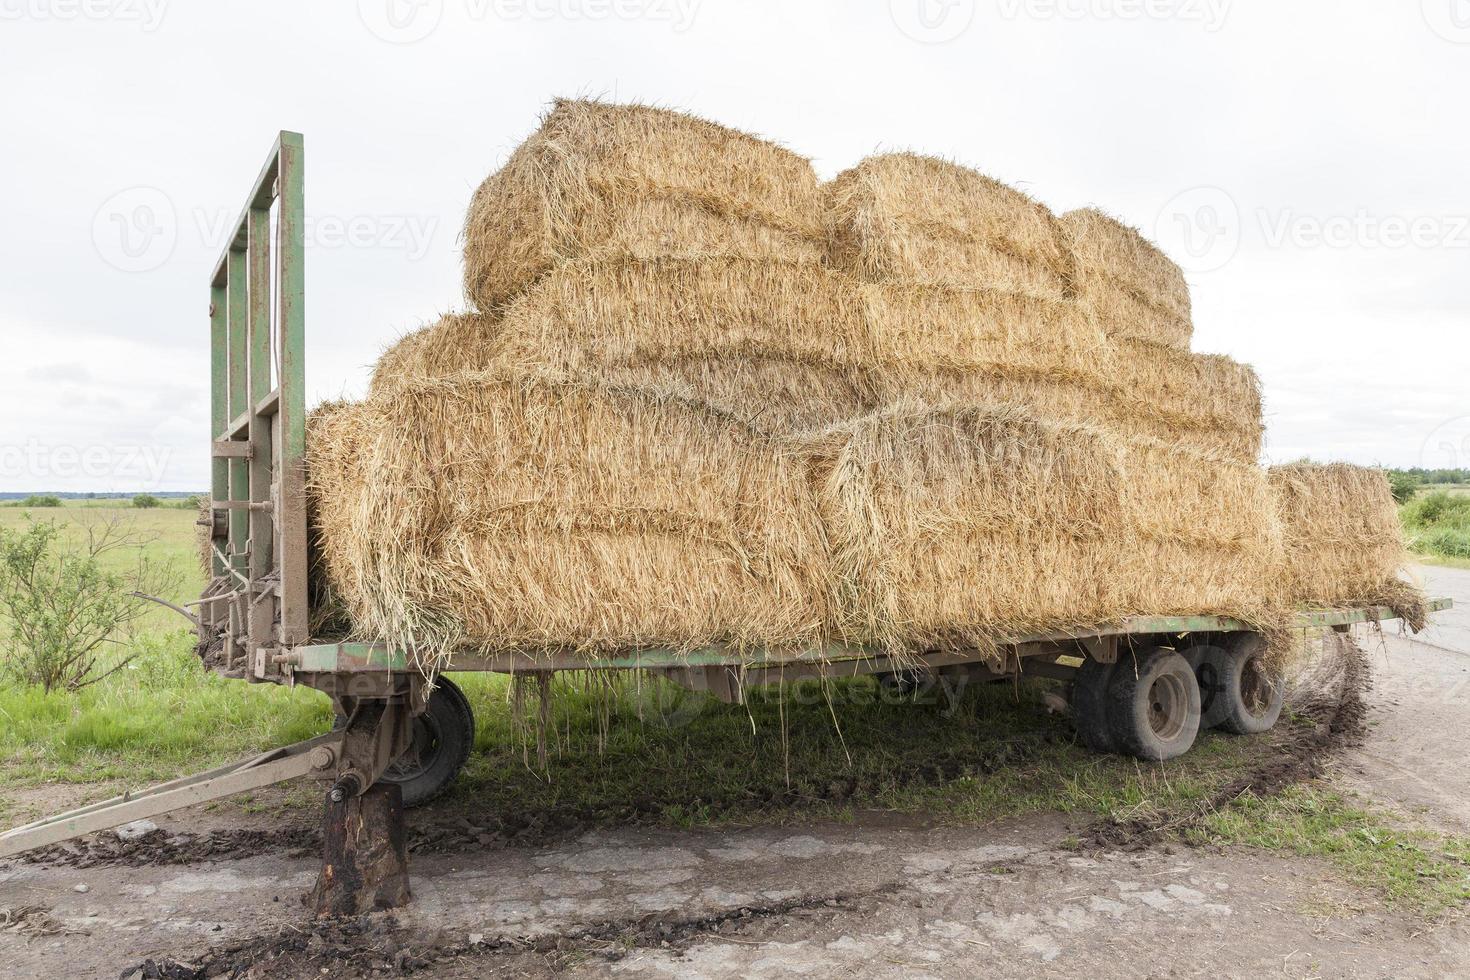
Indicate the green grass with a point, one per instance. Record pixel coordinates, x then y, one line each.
1425 873
1437 524
161 717
689 759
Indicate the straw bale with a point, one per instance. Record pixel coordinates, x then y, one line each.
1132 287
780 345
600 179
920 219
1344 545
537 513
1205 401
1204 536
962 525
455 342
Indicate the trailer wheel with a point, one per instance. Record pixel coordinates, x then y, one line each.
442 738
1090 705
1239 692
1153 705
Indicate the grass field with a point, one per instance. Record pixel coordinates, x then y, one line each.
623 752
1437 523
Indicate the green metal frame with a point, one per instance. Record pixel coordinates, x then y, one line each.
360 658
257 325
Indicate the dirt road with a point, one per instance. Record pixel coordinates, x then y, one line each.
881 897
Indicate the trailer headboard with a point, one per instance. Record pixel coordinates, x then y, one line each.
257 326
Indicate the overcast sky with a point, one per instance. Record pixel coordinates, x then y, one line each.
1305 161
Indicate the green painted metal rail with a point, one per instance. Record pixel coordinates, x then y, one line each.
377 657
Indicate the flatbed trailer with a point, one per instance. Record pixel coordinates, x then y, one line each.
401 738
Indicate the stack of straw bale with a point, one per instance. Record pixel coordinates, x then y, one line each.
702 400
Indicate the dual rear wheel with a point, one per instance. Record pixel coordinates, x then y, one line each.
1153 703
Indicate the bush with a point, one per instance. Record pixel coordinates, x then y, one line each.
191 502
1402 485
64 610
40 500
1438 524
145 500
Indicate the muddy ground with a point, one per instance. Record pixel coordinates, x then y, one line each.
885 895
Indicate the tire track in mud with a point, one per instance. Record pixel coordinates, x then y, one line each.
373 945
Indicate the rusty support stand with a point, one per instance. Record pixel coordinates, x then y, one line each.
365 854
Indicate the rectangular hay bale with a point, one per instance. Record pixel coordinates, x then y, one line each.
901 216
1208 402
599 179
1204 537
493 512
960 526
1344 544
1132 287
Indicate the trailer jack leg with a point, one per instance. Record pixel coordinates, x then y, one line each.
364 854
364 846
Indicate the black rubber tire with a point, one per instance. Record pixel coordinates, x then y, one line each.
1238 693
904 684
1153 705
1090 705
443 736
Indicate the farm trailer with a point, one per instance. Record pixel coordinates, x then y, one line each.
401 740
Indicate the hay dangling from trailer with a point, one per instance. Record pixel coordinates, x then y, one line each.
1344 544
918 219
497 512
1132 287
601 179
